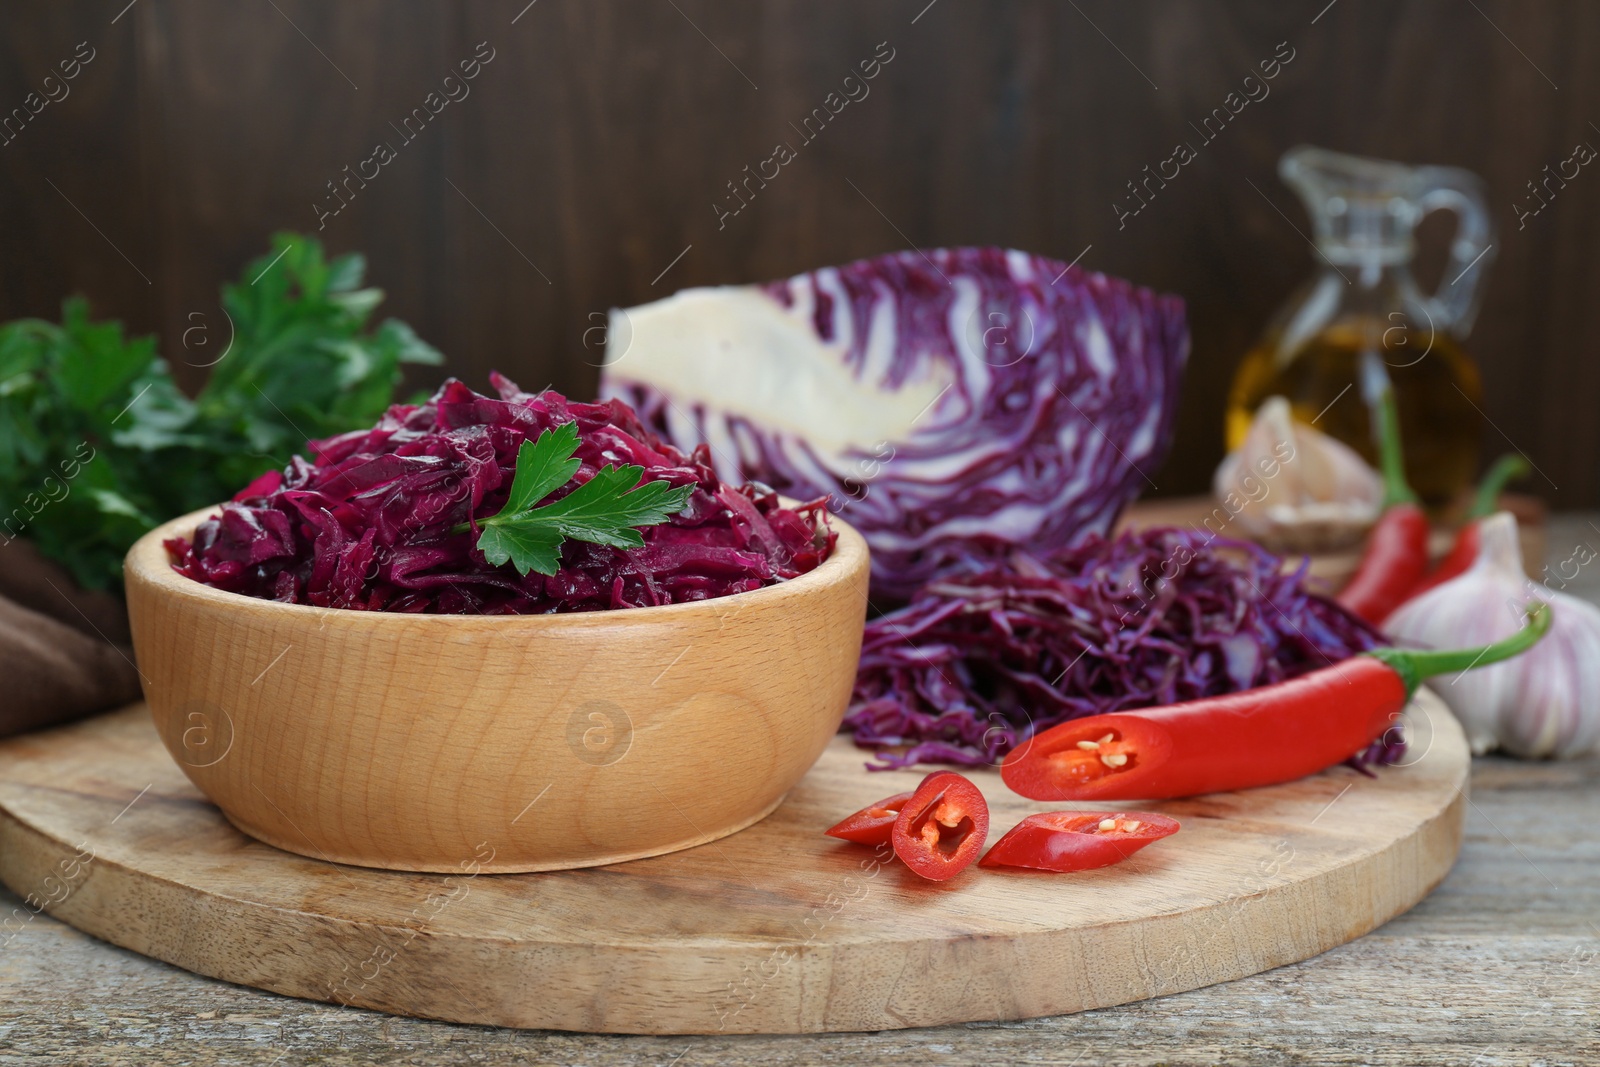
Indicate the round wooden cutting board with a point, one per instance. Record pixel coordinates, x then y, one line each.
776 929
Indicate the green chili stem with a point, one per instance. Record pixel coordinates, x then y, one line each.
1414 665
1507 468
1396 490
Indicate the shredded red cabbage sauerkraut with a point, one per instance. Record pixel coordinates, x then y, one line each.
368 522
978 663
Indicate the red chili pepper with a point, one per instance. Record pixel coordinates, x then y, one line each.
1396 556
1465 551
1394 562
873 824
941 829
1077 840
1263 736
1462 555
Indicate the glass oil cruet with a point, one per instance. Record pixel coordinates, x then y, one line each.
1362 321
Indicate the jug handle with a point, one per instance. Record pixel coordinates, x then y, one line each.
1454 302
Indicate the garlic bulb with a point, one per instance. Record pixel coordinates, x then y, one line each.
1294 488
1546 702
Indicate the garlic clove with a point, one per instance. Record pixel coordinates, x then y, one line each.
1295 488
1544 703
1557 713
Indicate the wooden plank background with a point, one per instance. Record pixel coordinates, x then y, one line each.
592 147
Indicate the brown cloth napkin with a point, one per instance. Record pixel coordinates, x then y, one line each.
65 652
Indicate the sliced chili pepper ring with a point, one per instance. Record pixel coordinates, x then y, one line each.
873 824
941 829
1077 840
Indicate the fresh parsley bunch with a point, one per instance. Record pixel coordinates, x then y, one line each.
98 445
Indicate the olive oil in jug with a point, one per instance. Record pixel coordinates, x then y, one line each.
1362 320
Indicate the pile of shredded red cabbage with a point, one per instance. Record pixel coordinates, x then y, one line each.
978 663
367 523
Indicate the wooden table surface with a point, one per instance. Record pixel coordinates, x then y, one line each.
1501 965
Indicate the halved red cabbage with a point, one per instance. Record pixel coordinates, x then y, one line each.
951 405
978 663
368 523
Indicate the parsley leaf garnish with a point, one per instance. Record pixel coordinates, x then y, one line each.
605 510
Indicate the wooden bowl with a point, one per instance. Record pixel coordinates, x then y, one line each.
512 743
